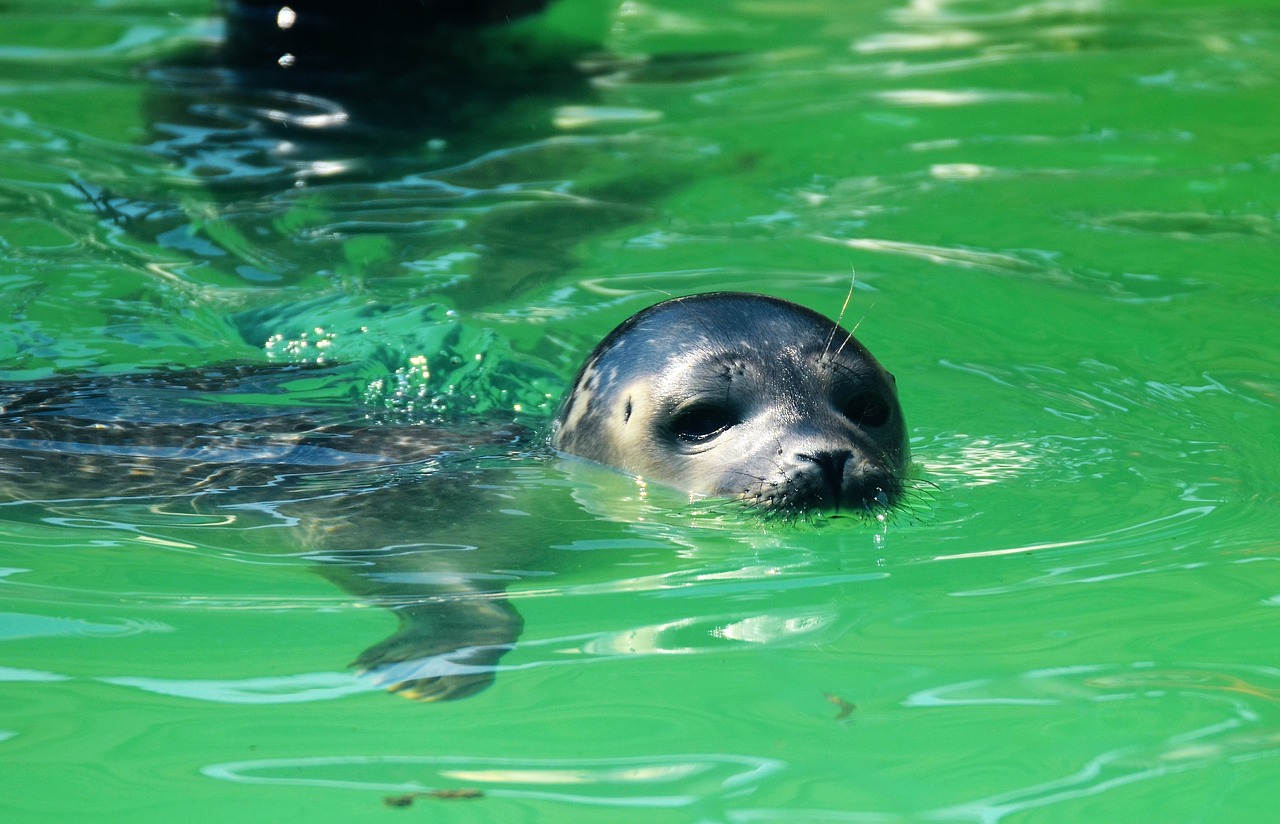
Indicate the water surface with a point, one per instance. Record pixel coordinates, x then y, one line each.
1059 222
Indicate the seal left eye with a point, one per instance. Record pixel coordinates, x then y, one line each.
700 424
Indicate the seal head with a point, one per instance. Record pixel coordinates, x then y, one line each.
730 394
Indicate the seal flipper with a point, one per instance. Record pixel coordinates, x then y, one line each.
455 623
445 648
455 620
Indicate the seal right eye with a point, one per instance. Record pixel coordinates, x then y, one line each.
867 410
701 423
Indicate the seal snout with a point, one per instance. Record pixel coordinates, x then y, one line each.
831 463
839 479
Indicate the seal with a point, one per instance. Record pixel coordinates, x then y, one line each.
739 395
721 394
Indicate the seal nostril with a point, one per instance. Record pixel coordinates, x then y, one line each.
831 463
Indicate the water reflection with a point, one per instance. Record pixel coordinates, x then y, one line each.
287 689
459 162
673 780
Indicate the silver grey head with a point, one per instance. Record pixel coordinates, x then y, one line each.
745 396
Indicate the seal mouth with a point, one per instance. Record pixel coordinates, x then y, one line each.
834 480
803 495
874 500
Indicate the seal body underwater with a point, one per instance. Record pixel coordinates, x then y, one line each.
744 396
722 394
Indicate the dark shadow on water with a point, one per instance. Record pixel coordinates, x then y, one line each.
436 146
354 97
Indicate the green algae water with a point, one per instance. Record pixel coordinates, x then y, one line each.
1059 224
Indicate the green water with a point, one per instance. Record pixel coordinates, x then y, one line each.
1061 222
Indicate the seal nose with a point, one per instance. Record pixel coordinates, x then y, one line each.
831 464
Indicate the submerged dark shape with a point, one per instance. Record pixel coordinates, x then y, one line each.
744 396
724 394
338 29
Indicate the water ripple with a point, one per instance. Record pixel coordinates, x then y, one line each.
674 780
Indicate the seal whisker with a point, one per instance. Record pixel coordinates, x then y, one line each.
848 337
844 307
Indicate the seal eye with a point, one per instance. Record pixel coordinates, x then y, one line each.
867 410
699 424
